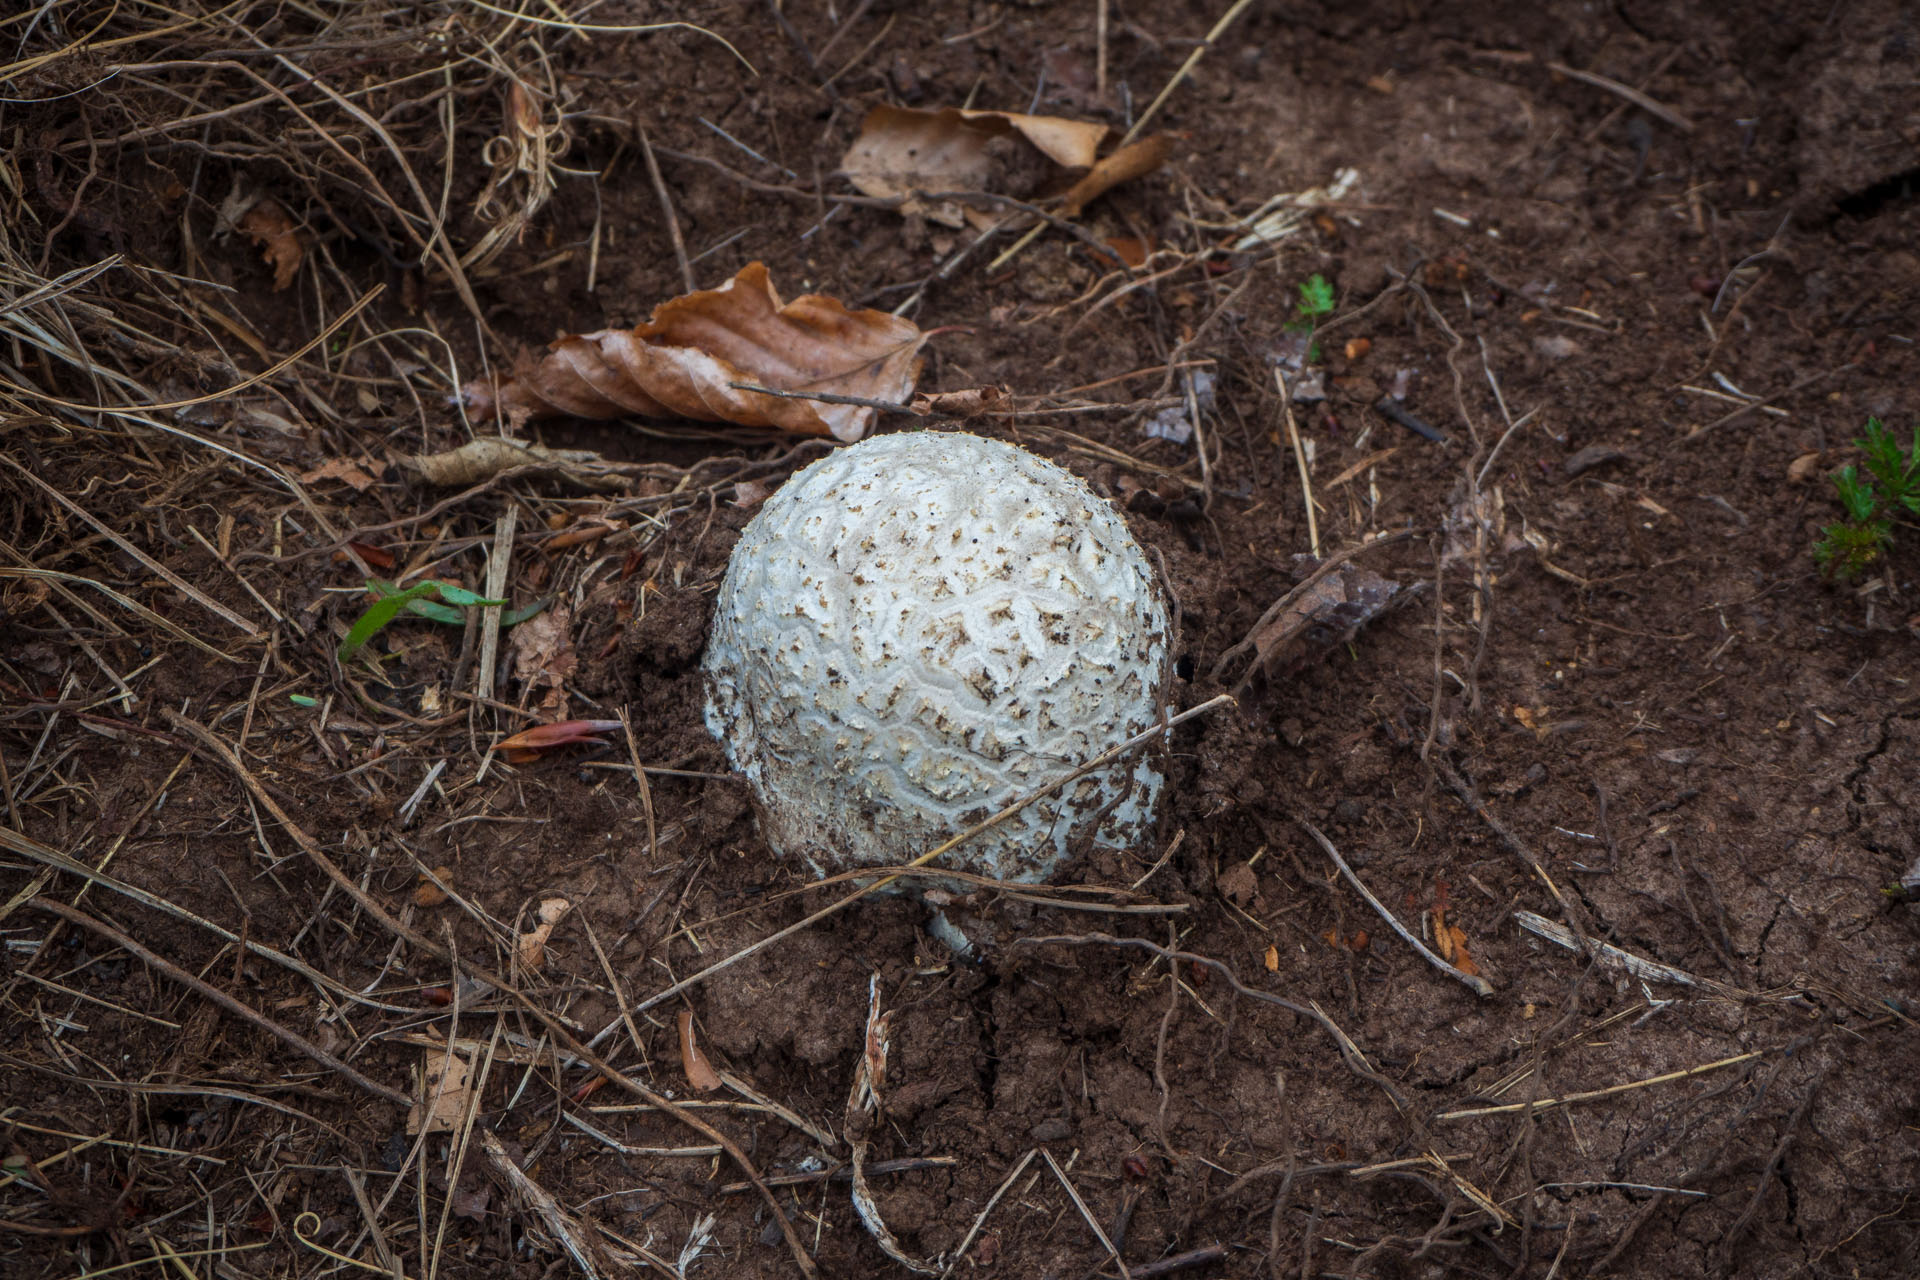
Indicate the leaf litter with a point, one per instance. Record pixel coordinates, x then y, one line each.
912 155
697 354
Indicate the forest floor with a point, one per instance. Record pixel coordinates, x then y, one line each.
1615 289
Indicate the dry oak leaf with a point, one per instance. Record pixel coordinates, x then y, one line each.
273 232
683 363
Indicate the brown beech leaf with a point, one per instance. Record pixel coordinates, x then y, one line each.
684 362
907 155
903 153
274 234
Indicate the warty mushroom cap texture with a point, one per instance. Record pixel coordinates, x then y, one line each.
922 628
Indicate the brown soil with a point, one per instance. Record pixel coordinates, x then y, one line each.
1621 661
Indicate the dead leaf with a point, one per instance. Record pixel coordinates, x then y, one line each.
700 1072
471 1201
684 362
274 233
1239 883
1801 469
1310 622
487 457
543 655
541 736
1450 940
1134 160
1132 251
1272 959
532 946
347 470
444 1092
429 894
970 403
903 153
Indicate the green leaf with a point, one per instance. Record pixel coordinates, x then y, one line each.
391 600
1856 495
514 617
1849 548
1316 296
453 594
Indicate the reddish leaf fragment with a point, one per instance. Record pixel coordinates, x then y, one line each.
558 734
377 557
700 1072
274 233
430 894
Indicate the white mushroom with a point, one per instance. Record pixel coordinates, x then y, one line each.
922 628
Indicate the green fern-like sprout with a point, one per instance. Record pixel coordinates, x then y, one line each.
1847 548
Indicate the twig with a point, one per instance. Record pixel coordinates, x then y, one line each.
824 397
1180 1261
1639 967
666 208
1810 380
1186 68
561 1033
221 998
980 1221
497 561
1086 1214
1765 1181
1350 1053
1478 985
1279 607
905 1164
1300 460
1576 916
1541 1104
557 1220
1100 761
1628 92
146 561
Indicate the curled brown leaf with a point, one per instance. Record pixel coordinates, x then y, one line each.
686 360
274 234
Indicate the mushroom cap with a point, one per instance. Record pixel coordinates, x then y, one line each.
923 628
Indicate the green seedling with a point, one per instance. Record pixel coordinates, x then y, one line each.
1316 301
1848 548
443 602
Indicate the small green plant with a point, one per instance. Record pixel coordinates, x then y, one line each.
442 602
1316 301
1848 548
